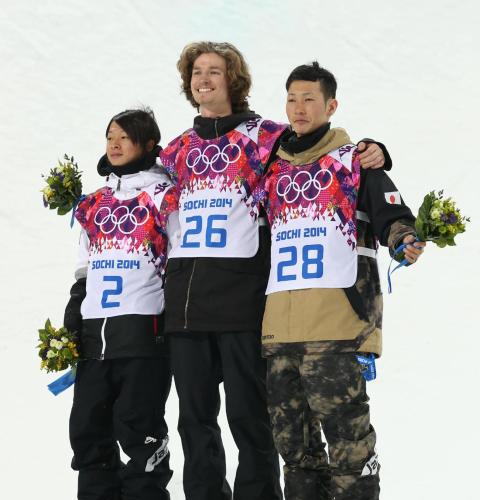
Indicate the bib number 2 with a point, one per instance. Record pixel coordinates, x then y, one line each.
117 282
215 237
312 263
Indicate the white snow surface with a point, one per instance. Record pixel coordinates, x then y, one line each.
408 75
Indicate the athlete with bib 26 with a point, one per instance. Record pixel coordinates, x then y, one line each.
216 277
323 317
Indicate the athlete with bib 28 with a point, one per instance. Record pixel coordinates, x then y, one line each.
216 277
323 317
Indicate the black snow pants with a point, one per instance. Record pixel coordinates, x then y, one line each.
200 362
121 401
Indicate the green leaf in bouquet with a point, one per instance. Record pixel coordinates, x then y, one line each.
64 210
421 223
426 206
421 228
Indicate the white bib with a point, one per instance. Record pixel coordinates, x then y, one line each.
121 283
216 224
308 253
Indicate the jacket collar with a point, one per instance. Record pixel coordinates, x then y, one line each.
292 144
104 167
332 139
211 128
137 181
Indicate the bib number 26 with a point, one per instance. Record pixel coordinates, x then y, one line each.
312 263
214 236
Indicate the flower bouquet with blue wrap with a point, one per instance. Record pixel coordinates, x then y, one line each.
438 221
58 351
64 187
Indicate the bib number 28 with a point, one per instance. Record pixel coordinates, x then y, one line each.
311 260
214 236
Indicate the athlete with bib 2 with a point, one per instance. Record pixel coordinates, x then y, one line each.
116 306
216 277
324 304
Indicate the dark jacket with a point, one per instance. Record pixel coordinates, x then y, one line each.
218 294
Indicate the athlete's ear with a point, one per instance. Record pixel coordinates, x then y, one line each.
149 145
332 105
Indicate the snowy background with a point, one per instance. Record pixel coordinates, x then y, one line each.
408 75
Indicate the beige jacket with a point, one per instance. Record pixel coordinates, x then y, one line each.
324 319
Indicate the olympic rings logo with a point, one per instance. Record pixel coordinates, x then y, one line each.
211 157
122 218
303 184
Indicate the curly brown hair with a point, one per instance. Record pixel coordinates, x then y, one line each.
238 75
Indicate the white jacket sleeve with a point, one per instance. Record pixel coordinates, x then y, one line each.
82 260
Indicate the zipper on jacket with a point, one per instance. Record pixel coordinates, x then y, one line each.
185 326
118 183
216 131
104 344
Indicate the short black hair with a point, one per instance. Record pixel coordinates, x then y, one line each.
314 73
139 124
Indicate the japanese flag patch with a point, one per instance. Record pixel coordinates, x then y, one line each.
393 198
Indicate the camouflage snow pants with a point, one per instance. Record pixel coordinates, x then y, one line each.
310 392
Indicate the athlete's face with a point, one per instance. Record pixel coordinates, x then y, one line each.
306 107
209 85
120 148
